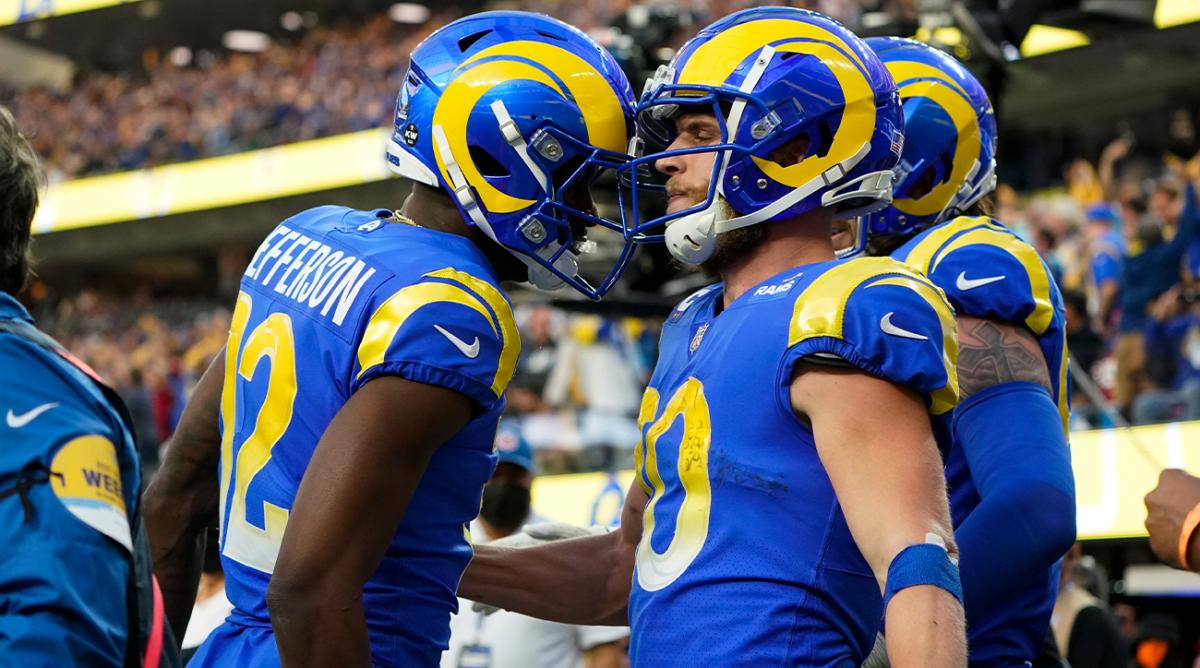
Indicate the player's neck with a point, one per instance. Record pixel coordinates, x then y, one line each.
432 208
804 240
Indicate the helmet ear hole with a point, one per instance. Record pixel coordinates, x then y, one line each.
922 185
487 163
792 152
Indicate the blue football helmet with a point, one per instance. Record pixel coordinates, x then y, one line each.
949 159
515 114
770 76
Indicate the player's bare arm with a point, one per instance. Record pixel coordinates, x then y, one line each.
576 581
887 473
991 353
353 496
1013 472
181 500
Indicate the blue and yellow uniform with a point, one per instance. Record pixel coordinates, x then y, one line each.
69 481
332 299
745 557
987 272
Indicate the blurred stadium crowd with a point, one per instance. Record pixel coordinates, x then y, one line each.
330 81
327 81
1128 273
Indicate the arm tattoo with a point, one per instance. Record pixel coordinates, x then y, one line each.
991 353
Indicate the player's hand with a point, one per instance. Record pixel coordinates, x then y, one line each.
536 534
1167 505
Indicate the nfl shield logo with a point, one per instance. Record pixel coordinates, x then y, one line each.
697 338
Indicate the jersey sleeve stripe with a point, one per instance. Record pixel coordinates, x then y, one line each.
386 321
821 308
946 397
1039 279
511 339
921 255
1064 404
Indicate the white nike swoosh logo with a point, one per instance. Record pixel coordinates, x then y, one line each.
470 350
17 421
964 283
888 328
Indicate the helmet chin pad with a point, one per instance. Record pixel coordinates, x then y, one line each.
542 278
693 238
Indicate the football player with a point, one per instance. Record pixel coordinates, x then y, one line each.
358 394
1012 493
788 491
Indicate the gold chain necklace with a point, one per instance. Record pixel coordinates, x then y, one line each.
398 217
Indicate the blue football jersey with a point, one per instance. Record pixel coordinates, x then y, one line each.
69 485
333 298
987 271
745 557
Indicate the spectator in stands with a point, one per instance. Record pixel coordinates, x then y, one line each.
1172 360
1151 268
1105 248
1086 632
137 398
1086 347
505 639
593 373
539 333
1083 340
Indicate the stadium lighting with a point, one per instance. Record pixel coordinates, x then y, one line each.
408 12
246 40
291 21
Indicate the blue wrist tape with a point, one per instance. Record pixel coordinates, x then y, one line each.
926 564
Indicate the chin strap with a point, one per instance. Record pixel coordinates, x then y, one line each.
464 195
512 135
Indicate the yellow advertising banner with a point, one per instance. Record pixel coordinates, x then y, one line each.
1114 469
18 11
253 176
1170 13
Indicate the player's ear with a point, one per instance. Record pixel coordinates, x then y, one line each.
923 185
791 153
